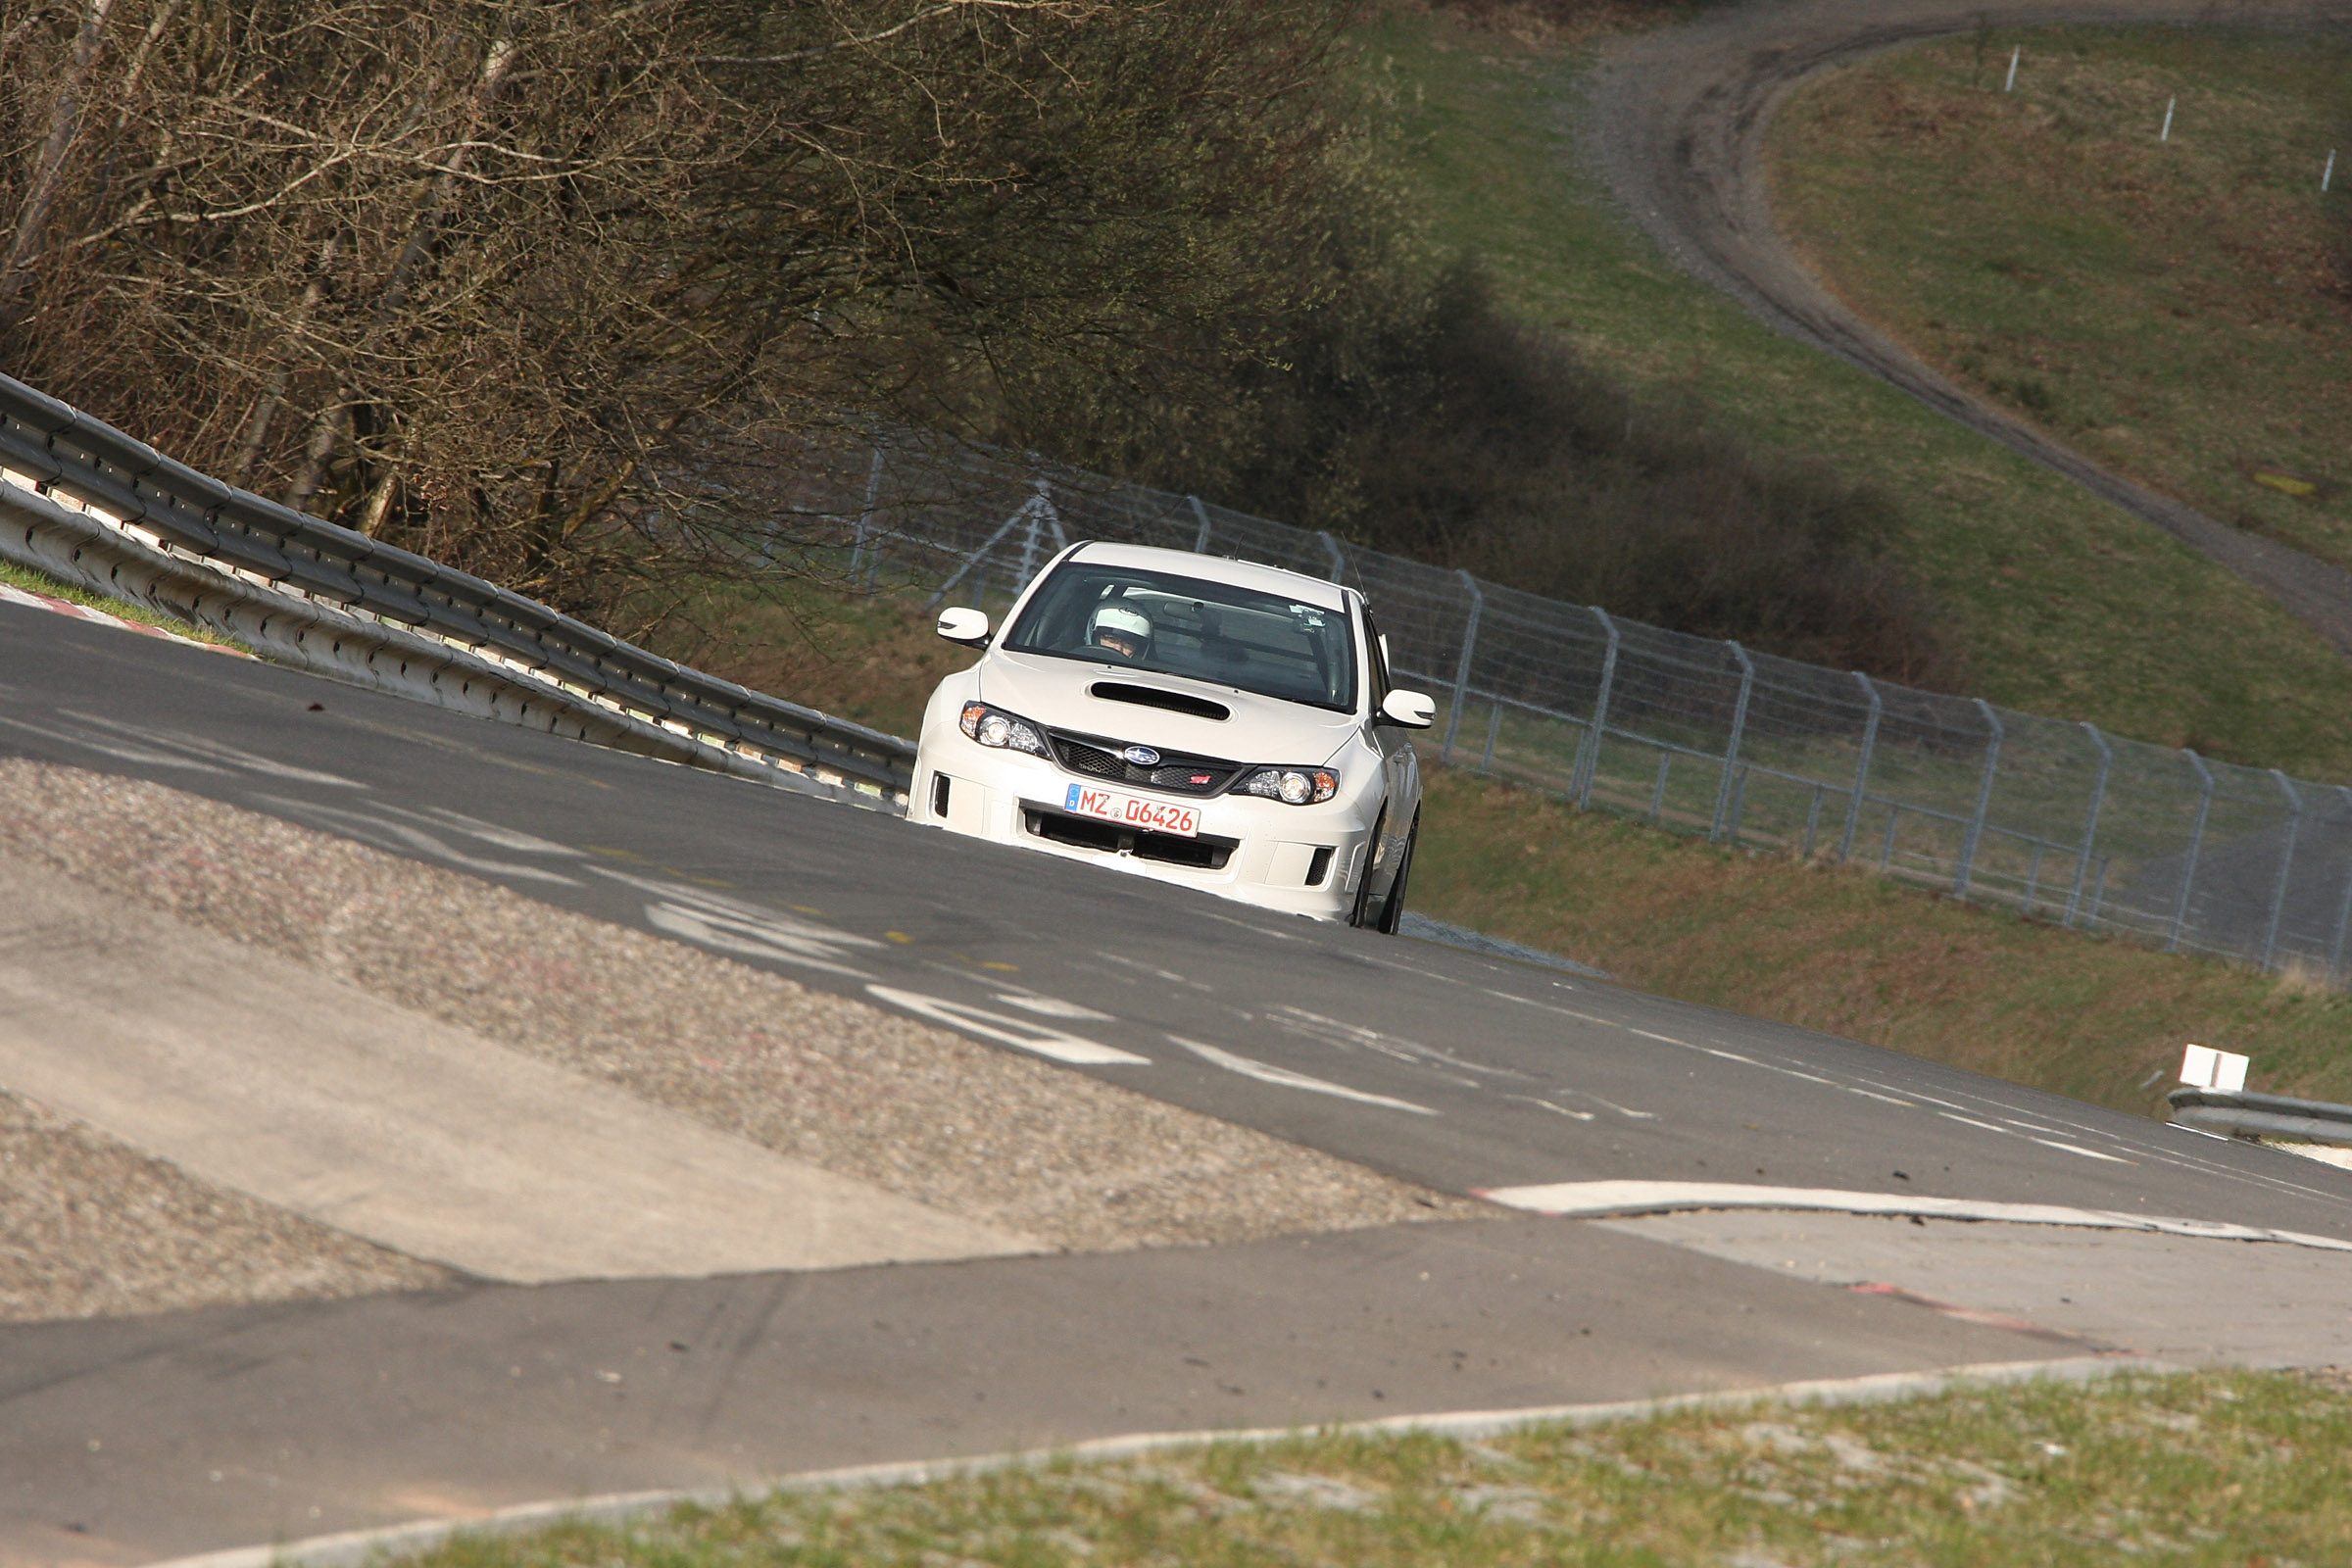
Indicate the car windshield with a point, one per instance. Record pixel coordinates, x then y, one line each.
1132 618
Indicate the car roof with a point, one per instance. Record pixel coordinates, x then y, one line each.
1218 568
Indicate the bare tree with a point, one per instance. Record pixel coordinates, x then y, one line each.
531 283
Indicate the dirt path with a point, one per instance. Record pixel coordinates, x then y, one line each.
1677 121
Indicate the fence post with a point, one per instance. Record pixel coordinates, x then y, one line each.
865 519
1040 508
2196 843
1730 752
1589 755
2344 906
1975 823
981 553
1331 547
1870 741
2287 865
1461 671
1199 540
2091 825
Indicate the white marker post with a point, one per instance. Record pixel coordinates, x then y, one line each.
2166 134
2011 84
2329 173
2203 1067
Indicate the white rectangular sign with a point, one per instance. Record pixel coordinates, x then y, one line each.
2204 1067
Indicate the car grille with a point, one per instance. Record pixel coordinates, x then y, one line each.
1178 773
1203 854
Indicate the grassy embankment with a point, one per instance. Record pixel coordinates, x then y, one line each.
2179 310
2054 603
2059 606
2194 1469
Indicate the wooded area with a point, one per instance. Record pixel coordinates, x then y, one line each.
527 284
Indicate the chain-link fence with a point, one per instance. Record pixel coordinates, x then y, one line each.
2055 819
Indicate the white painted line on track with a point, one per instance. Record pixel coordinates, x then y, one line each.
401 838
359 1547
214 751
1599 1200
1268 1073
1557 1110
1052 1007
1022 1034
2087 1153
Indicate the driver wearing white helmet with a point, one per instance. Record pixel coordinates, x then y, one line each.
1119 629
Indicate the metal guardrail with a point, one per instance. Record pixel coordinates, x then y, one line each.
2234 1113
108 509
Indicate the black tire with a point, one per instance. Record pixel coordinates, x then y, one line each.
1392 912
1362 913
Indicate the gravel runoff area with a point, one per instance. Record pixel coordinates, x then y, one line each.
913 1109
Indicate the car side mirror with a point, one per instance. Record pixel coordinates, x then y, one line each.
967 626
1407 711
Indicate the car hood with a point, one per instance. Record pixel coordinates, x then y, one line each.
1263 729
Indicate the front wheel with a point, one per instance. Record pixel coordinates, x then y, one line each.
1362 913
1392 912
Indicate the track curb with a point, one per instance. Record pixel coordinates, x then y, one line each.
359 1547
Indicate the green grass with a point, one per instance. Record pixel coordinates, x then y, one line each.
2179 310
36 582
1842 951
2193 1469
2056 603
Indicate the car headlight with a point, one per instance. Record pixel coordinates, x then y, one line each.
1293 785
993 726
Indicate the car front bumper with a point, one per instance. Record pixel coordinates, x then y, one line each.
1304 860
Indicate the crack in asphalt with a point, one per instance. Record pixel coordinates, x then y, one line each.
1675 121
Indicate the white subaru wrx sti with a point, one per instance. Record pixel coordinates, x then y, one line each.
1201 721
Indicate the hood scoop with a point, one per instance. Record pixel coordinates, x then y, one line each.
1112 690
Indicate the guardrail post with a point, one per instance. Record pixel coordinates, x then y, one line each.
1588 758
865 519
1975 823
1461 671
2196 843
1730 751
1199 540
2286 866
2091 825
1331 547
1870 741
2343 905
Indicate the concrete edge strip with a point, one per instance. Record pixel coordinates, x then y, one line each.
1622 1200
359 1547
9 594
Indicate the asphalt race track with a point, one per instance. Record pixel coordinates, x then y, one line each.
1457 1071
212 1429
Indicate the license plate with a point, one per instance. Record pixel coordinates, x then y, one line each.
1155 816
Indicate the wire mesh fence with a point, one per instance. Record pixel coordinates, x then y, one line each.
2054 819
